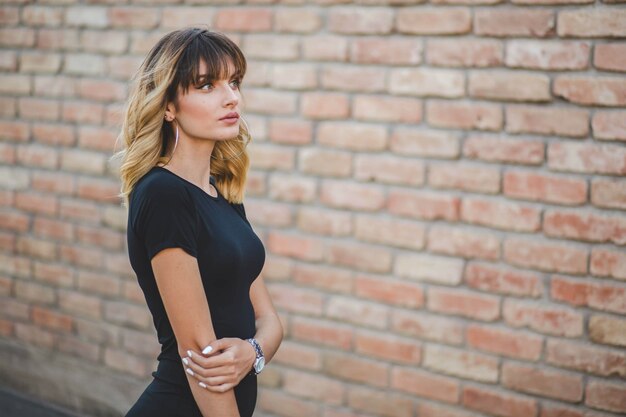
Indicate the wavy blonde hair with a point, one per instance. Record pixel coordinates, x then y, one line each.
172 63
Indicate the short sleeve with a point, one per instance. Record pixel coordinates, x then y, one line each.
167 218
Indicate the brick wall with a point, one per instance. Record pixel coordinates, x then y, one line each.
440 188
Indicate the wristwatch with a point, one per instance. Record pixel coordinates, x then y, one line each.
259 362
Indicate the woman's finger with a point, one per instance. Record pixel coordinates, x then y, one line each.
217 388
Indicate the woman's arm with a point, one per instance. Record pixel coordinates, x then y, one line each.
180 285
232 358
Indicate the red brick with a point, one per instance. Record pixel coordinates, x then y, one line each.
10 15
396 293
463 243
547 188
433 21
610 56
376 401
326 278
33 335
140 343
324 162
353 78
42 16
464 52
254 19
98 283
355 369
542 382
52 228
578 293
418 142
595 91
270 102
17 37
463 303
294 299
324 105
325 48
109 41
608 263
505 342
36 202
586 358
38 156
466 177
55 86
497 402
359 256
388 169
605 395
609 125
34 293
122 67
344 194
391 232
500 214
38 109
585 226
298 356
427 326
87 16
550 320
101 90
124 362
14 131
358 312
464 115
587 158
369 20
286 405
124 313
274 47
428 267
14 309
62 39
423 205
60 183
548 55
314 387
322 332
547 120
514 22
77 209
8 61
81 255
267 213
140 17
271 157
55 274
546 256
290 131
78 348
388 347
352 136
324 222
14 84
502 149
298 20
293 76
494 279
378 50
433 409
607 330
425 385
588 23
510 86
460 363
387 109
295 246
51 319
427 82
292 188
39 62
97 138
558 410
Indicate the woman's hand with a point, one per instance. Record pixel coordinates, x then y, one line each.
229 361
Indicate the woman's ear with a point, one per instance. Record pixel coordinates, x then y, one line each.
170 112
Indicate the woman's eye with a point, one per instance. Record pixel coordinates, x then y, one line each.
237 83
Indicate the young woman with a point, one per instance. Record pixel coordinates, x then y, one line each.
196 257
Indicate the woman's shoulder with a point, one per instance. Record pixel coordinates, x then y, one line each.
157 183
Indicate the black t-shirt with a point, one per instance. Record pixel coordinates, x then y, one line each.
167 211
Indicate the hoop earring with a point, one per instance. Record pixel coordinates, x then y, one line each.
175 145
244 142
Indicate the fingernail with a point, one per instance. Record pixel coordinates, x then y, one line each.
189 353
189 371
207 349
185 361
202 384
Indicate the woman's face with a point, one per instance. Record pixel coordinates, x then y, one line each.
201 109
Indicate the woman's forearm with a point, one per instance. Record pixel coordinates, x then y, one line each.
214 404
269 334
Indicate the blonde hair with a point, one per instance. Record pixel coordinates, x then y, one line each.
172 63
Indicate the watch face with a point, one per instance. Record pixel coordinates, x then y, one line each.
259 364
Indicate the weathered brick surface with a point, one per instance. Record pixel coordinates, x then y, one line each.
439 186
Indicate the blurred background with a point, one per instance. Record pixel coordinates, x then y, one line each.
439 185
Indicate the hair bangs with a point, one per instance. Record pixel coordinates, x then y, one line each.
221 59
